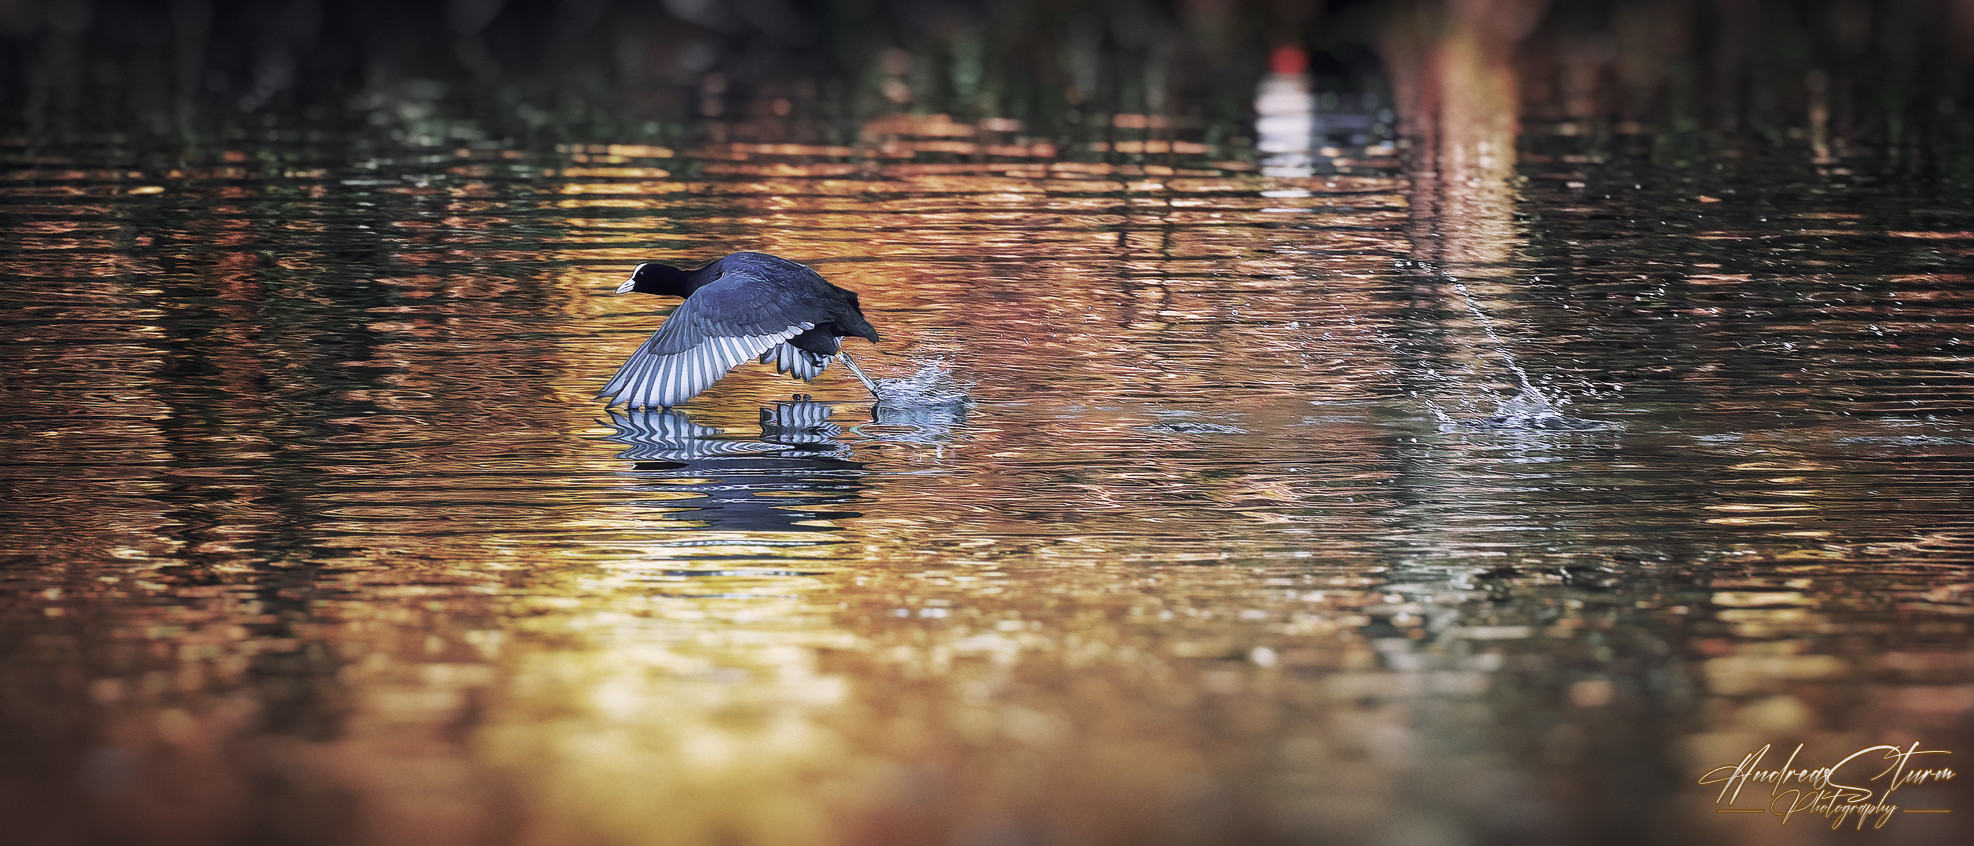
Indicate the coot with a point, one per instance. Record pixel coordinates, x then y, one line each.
747 305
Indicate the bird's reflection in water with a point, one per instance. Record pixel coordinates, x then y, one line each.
783 482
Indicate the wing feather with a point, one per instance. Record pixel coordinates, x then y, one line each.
795 361
741 315
655 379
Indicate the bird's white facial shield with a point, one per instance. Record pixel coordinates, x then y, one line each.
631 282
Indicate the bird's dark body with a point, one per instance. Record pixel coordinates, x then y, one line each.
742 306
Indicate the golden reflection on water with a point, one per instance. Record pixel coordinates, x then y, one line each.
1057 281
332 556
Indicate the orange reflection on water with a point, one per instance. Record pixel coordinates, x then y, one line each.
1458 101
333 546
1147 279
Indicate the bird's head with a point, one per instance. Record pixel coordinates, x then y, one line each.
660 279
856 325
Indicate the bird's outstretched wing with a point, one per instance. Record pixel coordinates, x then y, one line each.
651 379
736 317
697 345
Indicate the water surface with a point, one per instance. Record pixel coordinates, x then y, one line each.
316 534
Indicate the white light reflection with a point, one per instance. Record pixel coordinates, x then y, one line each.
1285 116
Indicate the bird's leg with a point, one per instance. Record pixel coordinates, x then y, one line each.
852 363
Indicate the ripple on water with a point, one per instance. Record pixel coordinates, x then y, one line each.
314 458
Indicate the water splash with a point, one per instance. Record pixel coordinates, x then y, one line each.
932 385
1529 409
923 409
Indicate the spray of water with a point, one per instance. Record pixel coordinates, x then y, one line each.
924 408
932 384
1529 408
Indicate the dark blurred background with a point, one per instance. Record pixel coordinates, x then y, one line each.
1892 70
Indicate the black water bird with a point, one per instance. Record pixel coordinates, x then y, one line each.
747 305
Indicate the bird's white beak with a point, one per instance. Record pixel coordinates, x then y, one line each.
626 287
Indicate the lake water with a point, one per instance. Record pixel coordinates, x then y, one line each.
1340 486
